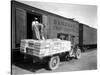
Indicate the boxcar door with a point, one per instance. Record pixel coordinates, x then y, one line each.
20 26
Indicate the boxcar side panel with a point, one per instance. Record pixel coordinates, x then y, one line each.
20 25
64 26
89 35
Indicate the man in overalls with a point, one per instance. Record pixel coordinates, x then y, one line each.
37 28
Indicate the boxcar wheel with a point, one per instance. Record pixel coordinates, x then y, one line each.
53 63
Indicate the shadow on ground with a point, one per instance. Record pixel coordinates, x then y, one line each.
17 60
33 67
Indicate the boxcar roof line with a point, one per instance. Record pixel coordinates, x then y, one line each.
46 12
26 7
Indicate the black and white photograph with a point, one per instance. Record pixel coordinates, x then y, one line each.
49 37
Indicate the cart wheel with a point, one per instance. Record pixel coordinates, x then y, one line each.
78 54
53 62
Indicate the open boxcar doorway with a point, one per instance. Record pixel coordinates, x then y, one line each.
31 17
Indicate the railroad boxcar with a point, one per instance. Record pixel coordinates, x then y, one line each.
87 37
55 26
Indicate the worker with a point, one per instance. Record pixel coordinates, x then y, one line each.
38 29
